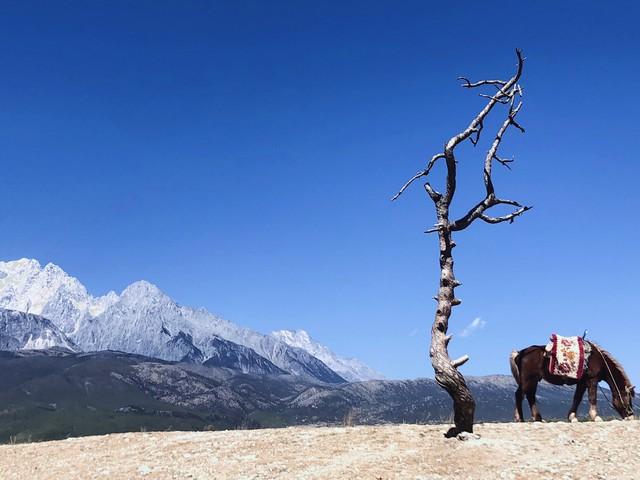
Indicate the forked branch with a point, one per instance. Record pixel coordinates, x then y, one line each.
507 90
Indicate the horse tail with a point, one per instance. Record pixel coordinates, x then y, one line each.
513 361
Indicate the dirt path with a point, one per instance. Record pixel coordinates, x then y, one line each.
519 451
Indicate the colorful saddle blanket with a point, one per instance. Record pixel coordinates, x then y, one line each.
568 356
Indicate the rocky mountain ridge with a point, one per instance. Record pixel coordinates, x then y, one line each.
143 320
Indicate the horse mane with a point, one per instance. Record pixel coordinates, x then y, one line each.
610 359
530 349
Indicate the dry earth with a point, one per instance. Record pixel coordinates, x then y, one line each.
518 451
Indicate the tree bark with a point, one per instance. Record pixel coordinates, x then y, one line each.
446 372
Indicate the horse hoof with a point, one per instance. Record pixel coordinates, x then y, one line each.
573 418
597 419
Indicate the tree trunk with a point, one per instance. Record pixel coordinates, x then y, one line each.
446 372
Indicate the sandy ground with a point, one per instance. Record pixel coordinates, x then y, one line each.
519 451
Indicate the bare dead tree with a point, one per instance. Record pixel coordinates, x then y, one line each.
509 93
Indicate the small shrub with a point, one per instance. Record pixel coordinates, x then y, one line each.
349 418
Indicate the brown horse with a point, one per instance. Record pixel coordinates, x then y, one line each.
531 365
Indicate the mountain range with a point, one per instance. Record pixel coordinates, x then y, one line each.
74 364
55 393
143 320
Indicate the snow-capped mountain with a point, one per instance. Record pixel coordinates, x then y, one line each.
350 369
145 321
25 331
27 287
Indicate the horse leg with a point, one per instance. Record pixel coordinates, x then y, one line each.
577 398
593 399
531 398
519 398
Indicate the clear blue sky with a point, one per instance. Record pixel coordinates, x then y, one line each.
241 155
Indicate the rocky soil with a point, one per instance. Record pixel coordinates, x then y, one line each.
507 450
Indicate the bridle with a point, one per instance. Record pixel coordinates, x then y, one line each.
613 379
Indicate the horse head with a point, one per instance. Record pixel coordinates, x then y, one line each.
623 402
622 390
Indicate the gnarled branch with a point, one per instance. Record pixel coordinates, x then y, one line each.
480 83
508 90
478 211
420 174
492 153
505 218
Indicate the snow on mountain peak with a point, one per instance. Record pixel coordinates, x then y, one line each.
142 289
24 263
51 268
49 291
349 368
143 320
